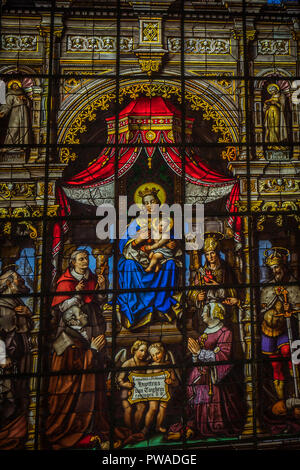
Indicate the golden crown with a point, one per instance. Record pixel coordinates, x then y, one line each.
276 255
148 191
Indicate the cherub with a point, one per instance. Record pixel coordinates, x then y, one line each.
160 358
139 354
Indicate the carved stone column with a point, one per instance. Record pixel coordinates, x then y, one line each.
101 255
246 322
38 243
296 107
36 120
258 125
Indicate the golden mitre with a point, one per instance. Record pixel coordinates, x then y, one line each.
276 255
212 241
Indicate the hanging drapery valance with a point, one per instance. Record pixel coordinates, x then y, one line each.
145 121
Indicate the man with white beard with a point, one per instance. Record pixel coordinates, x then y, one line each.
15 326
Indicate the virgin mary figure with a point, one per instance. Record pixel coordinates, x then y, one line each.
144 302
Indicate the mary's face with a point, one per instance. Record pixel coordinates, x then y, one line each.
149 202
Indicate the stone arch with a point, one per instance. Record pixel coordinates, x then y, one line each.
263 75
22 70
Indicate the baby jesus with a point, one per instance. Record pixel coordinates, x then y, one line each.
161 247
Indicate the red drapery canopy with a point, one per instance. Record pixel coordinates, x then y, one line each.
150 121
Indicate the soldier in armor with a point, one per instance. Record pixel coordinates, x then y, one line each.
276 302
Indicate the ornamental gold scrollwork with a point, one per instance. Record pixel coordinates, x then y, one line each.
196 103
149 65
279 219
32 230
280 206
133 91
259 223
24 212
16 190
230 154
255 206
42 189
7 228
277 185
20 212
51 211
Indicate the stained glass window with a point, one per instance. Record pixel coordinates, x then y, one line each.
149 215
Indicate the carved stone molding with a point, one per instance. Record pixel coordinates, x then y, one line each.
277 185
200 46
16 42
273 47
105 44
146 6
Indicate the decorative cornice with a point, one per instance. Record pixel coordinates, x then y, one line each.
105 44
273 47
18 42
200 46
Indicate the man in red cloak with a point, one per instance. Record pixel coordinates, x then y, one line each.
77 402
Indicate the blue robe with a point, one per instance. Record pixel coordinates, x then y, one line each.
138 305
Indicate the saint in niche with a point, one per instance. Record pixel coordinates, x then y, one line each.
275 122
17 107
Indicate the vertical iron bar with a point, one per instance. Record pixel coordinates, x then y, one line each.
43 294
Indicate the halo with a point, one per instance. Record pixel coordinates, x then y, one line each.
269 251
160 192
11 82
272 85
216 235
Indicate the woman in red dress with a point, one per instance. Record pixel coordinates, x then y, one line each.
215 402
